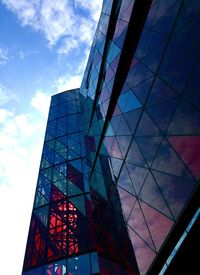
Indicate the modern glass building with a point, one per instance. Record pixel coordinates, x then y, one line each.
118 183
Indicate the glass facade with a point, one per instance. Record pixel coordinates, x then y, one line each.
120 162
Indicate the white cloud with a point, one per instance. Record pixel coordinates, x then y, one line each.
59 19
6 95
3 56
93 6
64 83
4 114
67 45
21 137
41 102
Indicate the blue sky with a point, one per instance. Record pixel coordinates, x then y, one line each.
44 46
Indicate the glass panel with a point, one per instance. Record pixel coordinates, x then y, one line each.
144 254
185 121
162 113
168 161
123 142
151 194
137 222
79 265
124 181
160 92
142 90
159 225
127 102
135 156
127 202
147 127
176 190
132 119
188 149
137 175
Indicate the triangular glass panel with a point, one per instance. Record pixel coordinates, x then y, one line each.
57 175
160 92
110 131
159 225
152 59
188 148
115 122
151 194
162 113
137 222
75 176
62 185
73 138
149 147
125 10
44 163
117 111
184 58
149 41
58 158
97 182
42 180
40 199
73 155
142 90
165 23
137 175
61 168
124 181
168 161
115 151
193 98
47 173
113 52
132 119
127 202
120 40
56 194
147 127
73 189
63 141
42 214
143 253
77 164
44 190
120 26
138 74
193 85
185 121
123 142
116 166
128 101
163 7
79 203
135 156
123 128
176 190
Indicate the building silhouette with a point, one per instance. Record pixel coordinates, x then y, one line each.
118 184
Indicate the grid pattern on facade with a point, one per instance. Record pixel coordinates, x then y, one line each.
152 138
120 165
61 219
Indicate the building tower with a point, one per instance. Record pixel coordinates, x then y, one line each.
118 183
